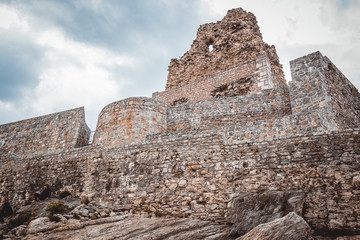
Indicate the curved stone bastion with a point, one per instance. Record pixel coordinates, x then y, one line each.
128 121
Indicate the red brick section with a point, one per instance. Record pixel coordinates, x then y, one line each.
257 74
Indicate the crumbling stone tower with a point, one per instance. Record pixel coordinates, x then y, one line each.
229 53
233 41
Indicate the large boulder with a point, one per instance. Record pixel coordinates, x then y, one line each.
290 227
249 210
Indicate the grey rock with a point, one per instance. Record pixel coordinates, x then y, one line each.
290 227
38 225
137 227
19 231
249 210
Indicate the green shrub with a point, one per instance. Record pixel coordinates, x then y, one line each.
85 200
54 218
64 194
22 218
56 208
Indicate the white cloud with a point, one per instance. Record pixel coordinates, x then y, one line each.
10 18
72 74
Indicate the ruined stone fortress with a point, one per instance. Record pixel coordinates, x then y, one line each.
227 122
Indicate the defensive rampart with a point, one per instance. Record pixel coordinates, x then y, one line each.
46 134
198 177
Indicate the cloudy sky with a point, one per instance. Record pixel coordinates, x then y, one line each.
61 54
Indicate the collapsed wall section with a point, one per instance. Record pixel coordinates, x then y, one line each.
245 79
233 41
46 134
128 121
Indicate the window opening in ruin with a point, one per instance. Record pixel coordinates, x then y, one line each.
91 138
211 48
210 44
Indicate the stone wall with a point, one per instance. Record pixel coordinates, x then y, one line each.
210 114
233 41
315 88
128 121
46 134
198 177
345 100
257 72
22 177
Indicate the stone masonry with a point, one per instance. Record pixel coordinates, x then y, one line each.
47 134
233 41
213 133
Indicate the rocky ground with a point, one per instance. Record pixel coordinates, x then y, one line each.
72 218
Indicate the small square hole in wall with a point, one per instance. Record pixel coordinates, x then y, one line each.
211 48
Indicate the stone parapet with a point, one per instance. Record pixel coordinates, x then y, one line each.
46 134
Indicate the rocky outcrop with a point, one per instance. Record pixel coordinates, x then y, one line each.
234 40
137 227
290 227
249 210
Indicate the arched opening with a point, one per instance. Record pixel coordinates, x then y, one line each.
210 44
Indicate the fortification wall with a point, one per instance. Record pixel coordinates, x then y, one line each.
345 100
46 134
128 121
198 177
248 78
233 41
210 114
315 88
22 176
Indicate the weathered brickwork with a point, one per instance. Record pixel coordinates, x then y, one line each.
128 121
233 41
46 134
258 70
